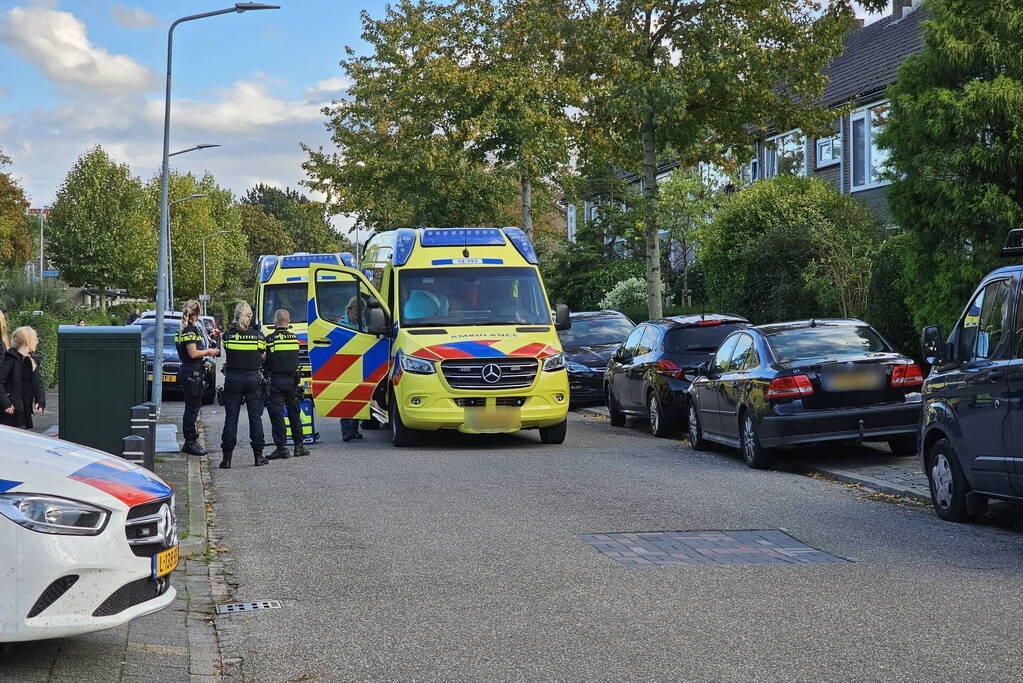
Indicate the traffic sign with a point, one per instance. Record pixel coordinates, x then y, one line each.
51 273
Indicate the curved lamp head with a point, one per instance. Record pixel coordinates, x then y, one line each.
246 6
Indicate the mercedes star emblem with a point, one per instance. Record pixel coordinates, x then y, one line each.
491 373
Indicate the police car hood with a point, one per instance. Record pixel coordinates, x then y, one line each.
32 463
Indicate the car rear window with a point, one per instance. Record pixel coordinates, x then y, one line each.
597 331
701 339
825 341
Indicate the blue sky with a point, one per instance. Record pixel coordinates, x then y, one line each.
74 73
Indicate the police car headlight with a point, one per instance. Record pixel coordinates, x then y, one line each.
555 362
52 515
415 365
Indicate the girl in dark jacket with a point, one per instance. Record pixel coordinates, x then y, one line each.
21 384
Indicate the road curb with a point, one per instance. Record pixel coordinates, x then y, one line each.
197 534
594 411
870 482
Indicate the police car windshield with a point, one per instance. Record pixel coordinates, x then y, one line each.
170 330
291 297
472 296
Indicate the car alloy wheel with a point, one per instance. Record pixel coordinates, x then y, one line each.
752 452
694 426
941 475
654 413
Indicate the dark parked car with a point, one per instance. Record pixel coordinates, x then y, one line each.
797 383
972 425
649 374
171 362
588 346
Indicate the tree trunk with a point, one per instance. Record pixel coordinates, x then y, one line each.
650 193
527 206
103 299
686 299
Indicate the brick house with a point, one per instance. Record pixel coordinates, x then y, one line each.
858 78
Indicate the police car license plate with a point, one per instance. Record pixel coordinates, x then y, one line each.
165 562
166 378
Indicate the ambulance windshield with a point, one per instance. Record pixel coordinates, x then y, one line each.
291 296
472 296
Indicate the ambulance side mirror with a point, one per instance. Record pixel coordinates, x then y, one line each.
562 317
377 322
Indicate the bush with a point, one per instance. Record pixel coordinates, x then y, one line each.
628 296
886 302
788 248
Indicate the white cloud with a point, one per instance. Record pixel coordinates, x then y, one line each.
245 106
57 43
328 86
133 17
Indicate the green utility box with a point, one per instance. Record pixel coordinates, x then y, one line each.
101 376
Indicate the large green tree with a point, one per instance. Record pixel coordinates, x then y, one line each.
15 243
687 79
98 232
956 151
408 147
301 219
265 235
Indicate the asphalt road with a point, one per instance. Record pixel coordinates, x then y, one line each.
462 560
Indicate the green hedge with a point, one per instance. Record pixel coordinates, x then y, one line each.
45 326
886 302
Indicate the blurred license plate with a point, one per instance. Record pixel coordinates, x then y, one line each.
165 562
854 380
166 378
501 419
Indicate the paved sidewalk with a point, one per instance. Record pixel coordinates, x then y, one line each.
175 644
872 466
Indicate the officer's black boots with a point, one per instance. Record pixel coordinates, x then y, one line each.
259 459
225 464
280 453
193 448
301 450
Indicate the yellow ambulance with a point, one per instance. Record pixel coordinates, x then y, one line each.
444 328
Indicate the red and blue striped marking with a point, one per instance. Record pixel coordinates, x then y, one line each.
123 481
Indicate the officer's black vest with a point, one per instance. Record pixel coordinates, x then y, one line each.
282 352
244 349
185 337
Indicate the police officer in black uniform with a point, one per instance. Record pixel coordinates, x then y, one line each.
245 348
192 348
285 394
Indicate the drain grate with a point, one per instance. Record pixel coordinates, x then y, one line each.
236 607
660 548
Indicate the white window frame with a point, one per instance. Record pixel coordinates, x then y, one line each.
868 149
770 170
831 139
570 222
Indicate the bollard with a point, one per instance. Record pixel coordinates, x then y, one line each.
132 449
140 427
151 443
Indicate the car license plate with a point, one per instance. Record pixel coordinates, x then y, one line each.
170 378
165 562
857 380
488 421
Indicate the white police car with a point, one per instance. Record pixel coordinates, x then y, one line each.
87 540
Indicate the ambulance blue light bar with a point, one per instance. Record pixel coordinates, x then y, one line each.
457 237
266 267
522 243
348 259
404 241
305 260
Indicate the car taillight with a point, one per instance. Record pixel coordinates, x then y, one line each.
705 323
907 375
790 387
669 368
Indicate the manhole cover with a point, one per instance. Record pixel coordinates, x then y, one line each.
660 548
236 607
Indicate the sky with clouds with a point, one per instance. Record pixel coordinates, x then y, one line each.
74 73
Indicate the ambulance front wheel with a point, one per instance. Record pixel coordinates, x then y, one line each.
401 436
554 434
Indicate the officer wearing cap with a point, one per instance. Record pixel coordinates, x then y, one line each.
245 348
282 369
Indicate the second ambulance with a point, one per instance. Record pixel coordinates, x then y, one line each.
444 328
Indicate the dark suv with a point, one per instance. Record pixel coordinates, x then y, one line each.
972 424
649 374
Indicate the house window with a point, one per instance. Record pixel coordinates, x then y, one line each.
829 151
570 220
785 155
868 160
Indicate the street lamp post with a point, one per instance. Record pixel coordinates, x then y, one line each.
205 295
164 237
170 249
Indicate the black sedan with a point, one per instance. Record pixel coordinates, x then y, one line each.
588 346
797 383
649 375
